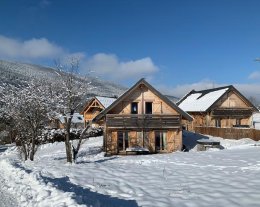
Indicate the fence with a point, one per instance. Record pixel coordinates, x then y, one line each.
230 133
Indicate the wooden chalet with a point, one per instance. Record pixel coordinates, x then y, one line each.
142 120
94 106
217 107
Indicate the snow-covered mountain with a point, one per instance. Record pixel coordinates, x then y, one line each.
18 74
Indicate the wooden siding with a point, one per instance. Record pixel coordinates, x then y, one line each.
91 110
208 120
174 141
142 95
231 100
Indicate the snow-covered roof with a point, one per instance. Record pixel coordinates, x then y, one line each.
77 118
256 117
200 101
105 101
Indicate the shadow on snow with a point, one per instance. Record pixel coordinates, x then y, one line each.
85 196
97 161
189 139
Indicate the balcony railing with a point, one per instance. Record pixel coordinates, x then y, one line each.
142 121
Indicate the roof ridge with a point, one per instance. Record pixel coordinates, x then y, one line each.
212 89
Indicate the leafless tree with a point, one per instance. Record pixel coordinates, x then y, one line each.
70 94
26 108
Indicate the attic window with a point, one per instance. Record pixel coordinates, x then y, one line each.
148 107
134 108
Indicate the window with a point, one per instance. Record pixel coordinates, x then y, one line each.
122 138
160 141
238 122
218 122
148 107
134 108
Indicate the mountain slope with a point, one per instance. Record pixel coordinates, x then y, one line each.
18 74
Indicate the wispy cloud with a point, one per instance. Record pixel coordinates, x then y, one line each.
255 75
44 3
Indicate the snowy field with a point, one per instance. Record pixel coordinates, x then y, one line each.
229 177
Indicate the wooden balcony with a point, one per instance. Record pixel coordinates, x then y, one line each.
233 112
142 121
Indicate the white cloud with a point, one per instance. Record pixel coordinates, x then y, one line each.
248 90
255 75
109 66
28 50
106 65
181 90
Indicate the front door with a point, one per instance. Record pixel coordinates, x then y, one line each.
122 140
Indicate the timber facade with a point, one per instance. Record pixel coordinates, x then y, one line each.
223 107
142 120
94 106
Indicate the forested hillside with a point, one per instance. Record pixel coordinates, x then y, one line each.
17 74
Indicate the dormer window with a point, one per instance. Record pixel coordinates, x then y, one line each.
134 108
148 107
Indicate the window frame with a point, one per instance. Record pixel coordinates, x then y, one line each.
238 122
125 141
132 107
218 122
163 140
149 102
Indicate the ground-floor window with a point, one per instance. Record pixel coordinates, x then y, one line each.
238 122
218 122
160 140
122 138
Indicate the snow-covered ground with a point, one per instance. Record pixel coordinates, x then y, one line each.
229 177
6 199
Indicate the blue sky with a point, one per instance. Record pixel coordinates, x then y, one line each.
176 45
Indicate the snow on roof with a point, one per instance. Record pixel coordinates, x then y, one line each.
105 101
77 118
256 117
199 101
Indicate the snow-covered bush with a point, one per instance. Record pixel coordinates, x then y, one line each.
58 135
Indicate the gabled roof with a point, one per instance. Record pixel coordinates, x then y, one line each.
201 101
102 100
129 91
173 99
105 101
256 117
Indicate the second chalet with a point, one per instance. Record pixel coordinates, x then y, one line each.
94 106
142 120
217 107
